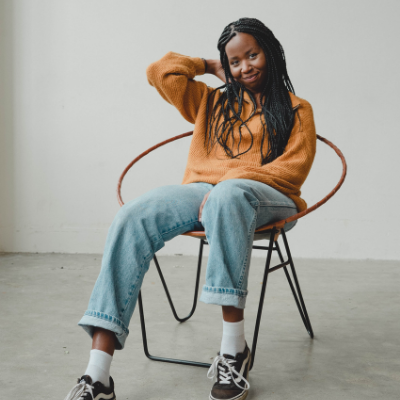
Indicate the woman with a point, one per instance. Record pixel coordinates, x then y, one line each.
252 148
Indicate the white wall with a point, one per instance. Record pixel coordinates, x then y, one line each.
76 108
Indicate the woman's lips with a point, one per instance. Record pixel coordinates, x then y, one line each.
251 78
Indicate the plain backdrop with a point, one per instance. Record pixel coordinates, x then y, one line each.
76 108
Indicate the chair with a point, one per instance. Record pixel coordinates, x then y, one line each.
271 232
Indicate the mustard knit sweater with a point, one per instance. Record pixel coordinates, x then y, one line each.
173 77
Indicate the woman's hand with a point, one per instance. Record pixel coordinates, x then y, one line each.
214 67
202 204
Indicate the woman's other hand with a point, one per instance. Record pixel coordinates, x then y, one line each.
202 204
214 67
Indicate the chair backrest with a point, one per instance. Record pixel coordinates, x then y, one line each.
266 228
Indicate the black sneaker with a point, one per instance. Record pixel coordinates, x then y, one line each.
85 390
231 373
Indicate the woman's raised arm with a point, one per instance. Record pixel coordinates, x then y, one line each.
214 67
173 77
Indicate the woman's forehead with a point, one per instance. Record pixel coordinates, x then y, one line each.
240 45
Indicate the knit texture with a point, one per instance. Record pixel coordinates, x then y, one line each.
173 77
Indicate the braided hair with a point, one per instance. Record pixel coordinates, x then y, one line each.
277 114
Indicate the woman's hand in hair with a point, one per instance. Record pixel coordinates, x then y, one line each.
202 204
214 67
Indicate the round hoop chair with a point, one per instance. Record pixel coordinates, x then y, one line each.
269 232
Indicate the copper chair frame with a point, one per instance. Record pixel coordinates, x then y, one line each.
273 230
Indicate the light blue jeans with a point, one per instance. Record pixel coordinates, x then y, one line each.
234 209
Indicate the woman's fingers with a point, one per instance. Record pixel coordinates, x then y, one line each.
219 71
214 67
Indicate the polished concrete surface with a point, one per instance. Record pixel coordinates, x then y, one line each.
353 305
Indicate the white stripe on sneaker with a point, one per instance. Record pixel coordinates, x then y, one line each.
241 373
104 396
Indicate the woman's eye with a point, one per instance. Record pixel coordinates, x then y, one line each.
234 63
253 55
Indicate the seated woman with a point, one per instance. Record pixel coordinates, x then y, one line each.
253 145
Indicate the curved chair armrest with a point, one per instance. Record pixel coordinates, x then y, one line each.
263 229
280 224
120 201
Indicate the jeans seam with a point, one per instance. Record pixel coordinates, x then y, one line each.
129 298
249 248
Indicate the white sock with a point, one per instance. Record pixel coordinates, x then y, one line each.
99 367
233 341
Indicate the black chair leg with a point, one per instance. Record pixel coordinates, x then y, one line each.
298 297
262 296
142 321
196 288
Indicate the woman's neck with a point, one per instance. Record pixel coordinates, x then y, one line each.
257 97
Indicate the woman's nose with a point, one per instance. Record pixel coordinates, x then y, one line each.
246 67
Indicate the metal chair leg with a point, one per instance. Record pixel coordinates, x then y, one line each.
262 296
299 299
292 287
196 289
297 296
142 321
162 359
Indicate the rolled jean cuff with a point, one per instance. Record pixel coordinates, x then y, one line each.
95 319
224 296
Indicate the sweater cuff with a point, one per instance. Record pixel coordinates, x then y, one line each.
199 65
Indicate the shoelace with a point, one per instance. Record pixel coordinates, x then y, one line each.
226 372
79 390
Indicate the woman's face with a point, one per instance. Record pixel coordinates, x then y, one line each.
247 61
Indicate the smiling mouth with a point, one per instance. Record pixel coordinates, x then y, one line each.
251 78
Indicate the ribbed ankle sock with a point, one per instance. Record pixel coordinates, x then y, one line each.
99 367
233 341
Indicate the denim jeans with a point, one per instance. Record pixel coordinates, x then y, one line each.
234 209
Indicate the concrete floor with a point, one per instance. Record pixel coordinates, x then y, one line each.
353 305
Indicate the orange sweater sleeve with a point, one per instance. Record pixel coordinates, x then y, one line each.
173 77
289 171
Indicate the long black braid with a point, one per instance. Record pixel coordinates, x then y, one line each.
277 114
